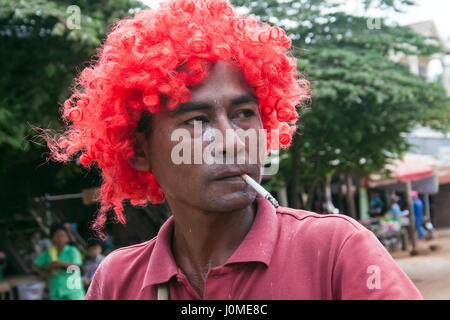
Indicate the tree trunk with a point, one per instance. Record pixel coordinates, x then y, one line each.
387 195
282 195
350 196
310 195
303 196
328 198
412 225
342 198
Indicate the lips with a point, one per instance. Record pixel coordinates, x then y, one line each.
229 174
232 178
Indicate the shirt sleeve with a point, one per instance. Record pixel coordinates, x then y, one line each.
42 260
364 270
396 212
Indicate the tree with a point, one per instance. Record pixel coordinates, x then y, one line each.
363 103
41 53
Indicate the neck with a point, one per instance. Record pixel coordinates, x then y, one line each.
202 241
60 248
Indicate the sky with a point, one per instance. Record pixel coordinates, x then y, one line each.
436 10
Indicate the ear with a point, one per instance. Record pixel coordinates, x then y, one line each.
140 160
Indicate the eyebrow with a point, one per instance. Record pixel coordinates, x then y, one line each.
193 106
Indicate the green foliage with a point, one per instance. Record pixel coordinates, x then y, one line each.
42 50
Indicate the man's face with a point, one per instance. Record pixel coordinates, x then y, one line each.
223 103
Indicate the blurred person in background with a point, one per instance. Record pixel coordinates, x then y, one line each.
396 211
62 263
69 230
94 258
39 244
376 205
3 263
418 214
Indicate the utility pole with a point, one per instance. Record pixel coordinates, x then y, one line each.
412 224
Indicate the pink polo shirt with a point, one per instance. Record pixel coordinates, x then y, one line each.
287 254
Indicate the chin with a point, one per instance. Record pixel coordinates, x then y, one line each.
230 202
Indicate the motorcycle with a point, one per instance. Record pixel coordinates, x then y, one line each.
429 229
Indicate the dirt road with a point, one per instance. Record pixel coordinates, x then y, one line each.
430 272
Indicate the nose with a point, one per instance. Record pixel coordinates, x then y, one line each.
229 146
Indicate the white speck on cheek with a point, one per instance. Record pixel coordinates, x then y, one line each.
208 134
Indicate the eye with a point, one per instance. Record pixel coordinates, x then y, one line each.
245 113
200 119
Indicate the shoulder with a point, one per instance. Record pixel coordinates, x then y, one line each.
131 251
118 269
45 254
72 248
315 222
313 231
129 256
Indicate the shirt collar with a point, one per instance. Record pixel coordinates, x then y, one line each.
258 245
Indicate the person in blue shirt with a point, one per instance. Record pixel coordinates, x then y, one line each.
376 205
95 257
418 214
396 211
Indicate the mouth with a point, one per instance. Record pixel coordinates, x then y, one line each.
231 178
229 175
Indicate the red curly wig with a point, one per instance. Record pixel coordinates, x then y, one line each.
140 62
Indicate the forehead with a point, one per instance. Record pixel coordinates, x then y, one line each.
223 83
60 232
224 80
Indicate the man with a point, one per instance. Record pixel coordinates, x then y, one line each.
376 205
198 68
396 211
62 262
418 214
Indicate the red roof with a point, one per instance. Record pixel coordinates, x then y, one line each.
412 167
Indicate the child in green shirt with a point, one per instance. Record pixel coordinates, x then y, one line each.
62 262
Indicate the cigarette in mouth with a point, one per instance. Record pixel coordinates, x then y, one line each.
260 190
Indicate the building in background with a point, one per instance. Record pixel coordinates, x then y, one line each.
426 141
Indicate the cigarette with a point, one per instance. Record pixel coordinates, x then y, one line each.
260 190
